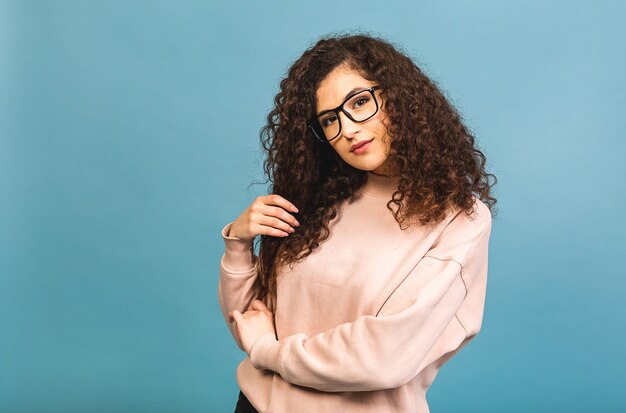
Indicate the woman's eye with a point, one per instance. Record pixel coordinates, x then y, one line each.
328 121
362 101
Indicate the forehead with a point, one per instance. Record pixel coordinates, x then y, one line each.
334 87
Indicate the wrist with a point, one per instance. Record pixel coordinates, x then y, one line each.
264 347
228 232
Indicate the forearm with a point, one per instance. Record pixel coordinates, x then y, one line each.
238 275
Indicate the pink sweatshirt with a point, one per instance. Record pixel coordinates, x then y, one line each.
366 321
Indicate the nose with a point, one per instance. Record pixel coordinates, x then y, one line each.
348 127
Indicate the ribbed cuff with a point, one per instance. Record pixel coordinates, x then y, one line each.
238 254
265 352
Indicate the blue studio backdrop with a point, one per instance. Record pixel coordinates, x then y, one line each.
129 138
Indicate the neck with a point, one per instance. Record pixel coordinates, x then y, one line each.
380 185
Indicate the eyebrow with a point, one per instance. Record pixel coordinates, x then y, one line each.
356 89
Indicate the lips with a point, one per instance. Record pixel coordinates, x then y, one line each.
359 144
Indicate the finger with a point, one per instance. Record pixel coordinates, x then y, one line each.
269 230
273 220
275 199
237 316
279 214
250 312
284 224
260 305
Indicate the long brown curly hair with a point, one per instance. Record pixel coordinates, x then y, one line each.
439 164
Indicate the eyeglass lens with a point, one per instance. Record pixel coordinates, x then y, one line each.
360 106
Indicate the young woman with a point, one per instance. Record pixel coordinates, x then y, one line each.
372 264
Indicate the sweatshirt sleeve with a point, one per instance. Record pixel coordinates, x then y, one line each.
238 273
388 349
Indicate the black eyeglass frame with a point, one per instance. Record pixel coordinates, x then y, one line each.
340 108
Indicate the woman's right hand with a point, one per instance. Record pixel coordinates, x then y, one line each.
266 215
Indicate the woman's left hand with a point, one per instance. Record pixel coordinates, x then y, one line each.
253 323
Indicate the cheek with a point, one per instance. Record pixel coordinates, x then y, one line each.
340 152
383 132
381 123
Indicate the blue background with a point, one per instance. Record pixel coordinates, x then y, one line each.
129 138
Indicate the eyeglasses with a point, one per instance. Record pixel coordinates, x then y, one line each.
361 106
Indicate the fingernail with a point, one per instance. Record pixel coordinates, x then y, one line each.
294 209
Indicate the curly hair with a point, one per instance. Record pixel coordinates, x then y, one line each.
439 164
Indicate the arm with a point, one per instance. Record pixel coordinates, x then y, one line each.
390 348
238 273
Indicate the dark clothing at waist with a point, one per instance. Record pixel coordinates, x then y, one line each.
244 405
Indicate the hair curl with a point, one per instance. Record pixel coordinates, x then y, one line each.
439 164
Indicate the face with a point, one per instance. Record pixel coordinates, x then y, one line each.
332 91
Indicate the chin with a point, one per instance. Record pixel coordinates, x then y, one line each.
366 166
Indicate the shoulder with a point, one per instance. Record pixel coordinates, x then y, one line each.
478 217
462 232
481 211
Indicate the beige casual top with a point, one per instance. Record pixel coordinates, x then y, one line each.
365 322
